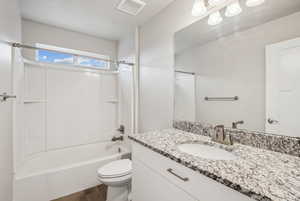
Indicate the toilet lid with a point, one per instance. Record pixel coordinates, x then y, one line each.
116 169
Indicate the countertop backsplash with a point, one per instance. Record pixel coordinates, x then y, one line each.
278 143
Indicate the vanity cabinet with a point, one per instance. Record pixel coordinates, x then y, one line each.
156 177
148 185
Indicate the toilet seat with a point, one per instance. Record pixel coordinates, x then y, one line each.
116 181
116 169
117 176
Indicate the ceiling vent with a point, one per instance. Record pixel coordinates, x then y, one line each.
132 7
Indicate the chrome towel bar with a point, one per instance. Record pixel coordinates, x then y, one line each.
235 98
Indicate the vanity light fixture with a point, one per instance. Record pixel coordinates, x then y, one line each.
253 3
215 18
233 9
215 2
213 8
199 8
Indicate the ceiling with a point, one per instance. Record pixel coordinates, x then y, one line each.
200 32
95 17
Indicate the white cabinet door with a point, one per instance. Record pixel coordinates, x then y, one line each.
147 185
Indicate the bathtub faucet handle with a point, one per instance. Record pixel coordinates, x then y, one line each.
121 129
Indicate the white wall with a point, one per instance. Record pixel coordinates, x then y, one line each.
126 52
126 47
157 64
10 30
33 32
235 66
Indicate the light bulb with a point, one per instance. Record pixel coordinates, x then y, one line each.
252 3
233 9
215 2
215 18
199 8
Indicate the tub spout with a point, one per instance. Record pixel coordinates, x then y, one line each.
119 138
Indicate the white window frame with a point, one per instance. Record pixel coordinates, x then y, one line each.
75 53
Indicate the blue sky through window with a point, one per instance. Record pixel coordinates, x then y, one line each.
63 58
83 61
55 57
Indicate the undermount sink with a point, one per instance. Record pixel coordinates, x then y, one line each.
206 151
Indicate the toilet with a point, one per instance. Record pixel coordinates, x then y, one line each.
117 176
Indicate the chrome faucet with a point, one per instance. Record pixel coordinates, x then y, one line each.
220 136
121 129
119 138
235 124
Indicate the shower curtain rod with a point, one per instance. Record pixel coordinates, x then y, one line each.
19 45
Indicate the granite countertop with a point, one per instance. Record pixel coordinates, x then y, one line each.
260 174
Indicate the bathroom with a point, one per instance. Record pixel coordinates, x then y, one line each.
142 100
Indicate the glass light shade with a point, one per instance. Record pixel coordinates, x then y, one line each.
199 8
215 18
233 9
215 2
252 3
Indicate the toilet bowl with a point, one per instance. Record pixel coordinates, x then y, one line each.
117 176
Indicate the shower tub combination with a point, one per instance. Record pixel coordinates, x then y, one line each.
65 118
59 173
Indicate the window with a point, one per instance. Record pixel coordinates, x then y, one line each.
85 61
55 56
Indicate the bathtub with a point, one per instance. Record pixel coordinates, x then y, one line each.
57 173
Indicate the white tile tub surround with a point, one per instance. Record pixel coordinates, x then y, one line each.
70 116
65 106
73 108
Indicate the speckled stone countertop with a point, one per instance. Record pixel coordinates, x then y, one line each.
260 174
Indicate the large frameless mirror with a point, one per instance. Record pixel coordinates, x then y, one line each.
242 71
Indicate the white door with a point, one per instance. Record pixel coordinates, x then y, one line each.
283 88
185 99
